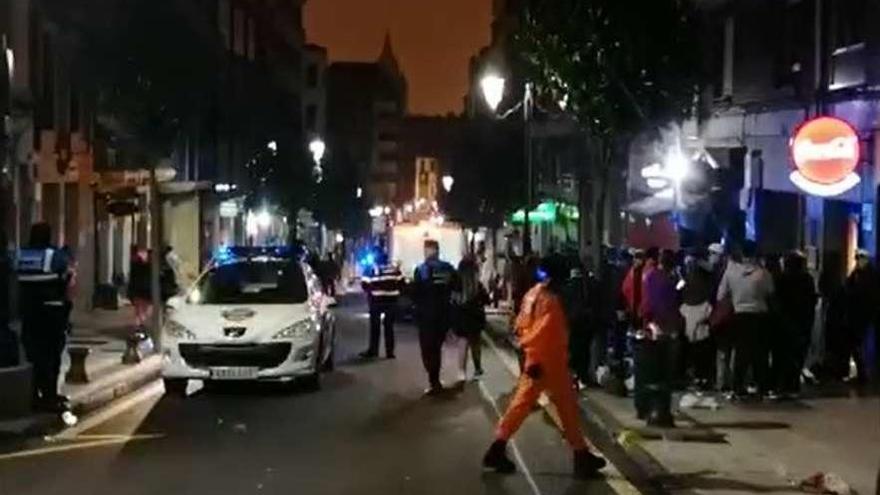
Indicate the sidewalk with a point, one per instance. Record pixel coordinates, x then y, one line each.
104 332
744 448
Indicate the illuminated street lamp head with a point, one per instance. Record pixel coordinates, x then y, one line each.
448 181
318 148
493 90
272 146
264 219
677 166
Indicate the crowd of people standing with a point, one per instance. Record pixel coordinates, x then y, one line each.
747 324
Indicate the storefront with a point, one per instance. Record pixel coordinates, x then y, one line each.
808 182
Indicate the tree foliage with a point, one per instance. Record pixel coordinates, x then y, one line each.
338 205
160 68
621 67
619 64
153 65
489 174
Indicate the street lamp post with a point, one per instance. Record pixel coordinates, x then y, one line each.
493 86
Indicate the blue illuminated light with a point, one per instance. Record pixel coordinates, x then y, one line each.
541 275
224 255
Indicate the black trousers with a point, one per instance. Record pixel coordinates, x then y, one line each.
431 337
44 335
377 309
855 349
790 342
752 351
701 359
579 349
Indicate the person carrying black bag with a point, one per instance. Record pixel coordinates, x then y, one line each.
469 316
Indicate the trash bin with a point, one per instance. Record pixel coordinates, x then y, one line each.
653 378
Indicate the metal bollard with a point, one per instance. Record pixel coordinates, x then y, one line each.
132 353
77 372
653 394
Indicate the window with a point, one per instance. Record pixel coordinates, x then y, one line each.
75 116
238 31
251 40
848 64
386 108
224 21
848 23
312 76
386 167
311 118
46 117
271 282
797 47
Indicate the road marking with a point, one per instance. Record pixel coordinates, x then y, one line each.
57 449
517 456
618 483
153 390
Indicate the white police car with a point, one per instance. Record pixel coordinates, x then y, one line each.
257 314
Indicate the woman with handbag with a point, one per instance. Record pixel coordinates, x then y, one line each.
470 316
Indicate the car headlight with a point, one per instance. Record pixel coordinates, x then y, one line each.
178 331
300 330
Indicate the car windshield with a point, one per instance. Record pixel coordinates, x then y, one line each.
254 282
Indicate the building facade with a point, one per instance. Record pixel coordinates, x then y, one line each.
63 168
776 68
365 104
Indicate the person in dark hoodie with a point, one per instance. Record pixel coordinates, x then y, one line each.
862 300
797 303
750 288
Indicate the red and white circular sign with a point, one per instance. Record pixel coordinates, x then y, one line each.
826 152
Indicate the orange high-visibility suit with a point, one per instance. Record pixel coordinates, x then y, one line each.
543 335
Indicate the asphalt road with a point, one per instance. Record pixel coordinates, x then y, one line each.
368 431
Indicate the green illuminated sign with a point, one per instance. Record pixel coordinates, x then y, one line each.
547 212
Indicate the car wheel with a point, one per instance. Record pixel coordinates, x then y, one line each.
176 386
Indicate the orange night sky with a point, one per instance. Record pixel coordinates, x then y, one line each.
433 39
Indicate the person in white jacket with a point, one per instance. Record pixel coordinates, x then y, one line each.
750 288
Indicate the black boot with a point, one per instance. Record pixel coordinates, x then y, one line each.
496 458
587 464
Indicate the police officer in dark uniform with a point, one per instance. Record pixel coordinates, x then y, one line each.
382 282
43 277
433 283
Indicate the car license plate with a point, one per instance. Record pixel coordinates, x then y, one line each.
234 373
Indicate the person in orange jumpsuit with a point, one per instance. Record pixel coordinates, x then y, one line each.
543 336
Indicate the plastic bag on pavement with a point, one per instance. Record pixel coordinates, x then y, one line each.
602 375
825 483
696 401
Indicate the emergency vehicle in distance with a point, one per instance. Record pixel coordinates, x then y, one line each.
407 244
258 313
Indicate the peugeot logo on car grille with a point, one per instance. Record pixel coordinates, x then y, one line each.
234 332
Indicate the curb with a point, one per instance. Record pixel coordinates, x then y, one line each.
93 397
109 388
